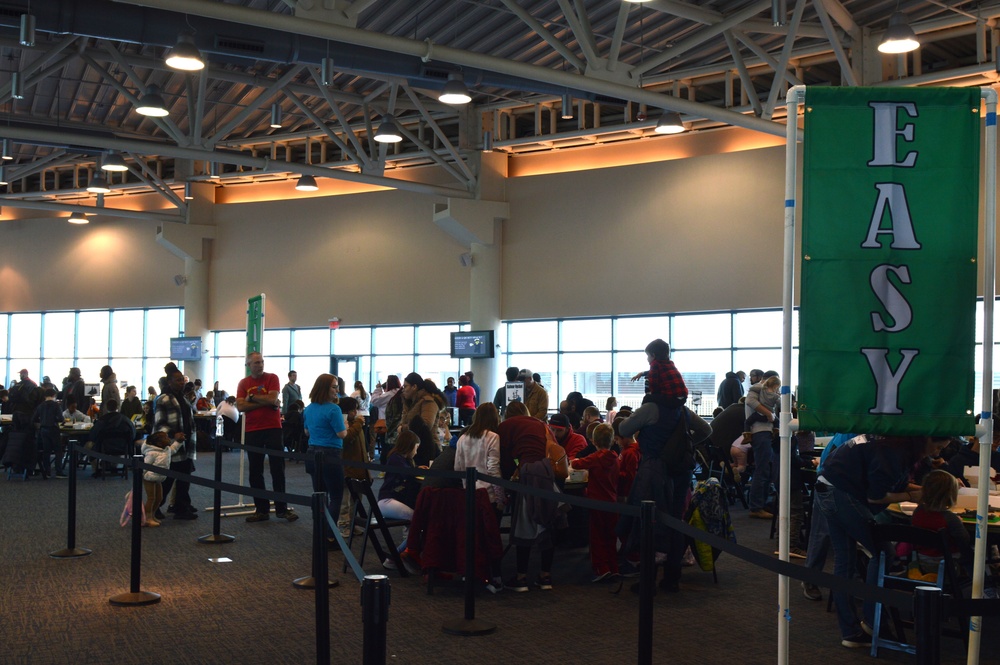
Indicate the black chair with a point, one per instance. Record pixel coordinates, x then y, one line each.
946 579
372 518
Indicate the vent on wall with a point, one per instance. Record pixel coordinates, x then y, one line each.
239 45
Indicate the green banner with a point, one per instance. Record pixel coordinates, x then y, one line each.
255 326
889 227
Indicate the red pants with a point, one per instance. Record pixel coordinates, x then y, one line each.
603 542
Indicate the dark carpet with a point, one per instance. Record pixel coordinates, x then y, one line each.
247 611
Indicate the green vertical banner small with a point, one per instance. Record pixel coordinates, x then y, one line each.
255 326
889 228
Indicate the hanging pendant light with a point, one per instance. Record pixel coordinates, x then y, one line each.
455 91
152 104
670 123
185 55
306 183
899 36
113 162
78 218
98 185
387 131
275 116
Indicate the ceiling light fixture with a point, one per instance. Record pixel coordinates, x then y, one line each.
17 85
5 150
670 123
185 55
567 107
113 162
455 91
152 103
899 36
487 141
78 218
275 116
387 131
27 36
326 71
3 176
98 185
188 195
306 183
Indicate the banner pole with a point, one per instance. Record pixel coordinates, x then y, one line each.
793 98
985 430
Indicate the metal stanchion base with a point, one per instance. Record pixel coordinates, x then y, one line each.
70 553
468 627
308 583
137 598
217 539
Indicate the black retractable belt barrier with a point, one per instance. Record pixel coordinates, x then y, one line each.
375 616
71 551
321 571
135 596
217 537
647 578
469 625
927 616
319 536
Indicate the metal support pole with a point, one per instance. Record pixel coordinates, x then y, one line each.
319 548
321 571
469 625
927 618
135 596
647 578
71 551
375 617
217 537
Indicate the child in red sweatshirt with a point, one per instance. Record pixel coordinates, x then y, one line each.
602 485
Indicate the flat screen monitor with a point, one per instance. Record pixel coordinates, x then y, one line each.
185 348
472 344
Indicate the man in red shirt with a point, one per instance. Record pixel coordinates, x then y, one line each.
565 436
257 397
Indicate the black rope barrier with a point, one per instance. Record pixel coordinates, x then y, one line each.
217 537
375 595
71 551
321 571
136 596
647 578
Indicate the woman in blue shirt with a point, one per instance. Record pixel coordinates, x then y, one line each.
324 423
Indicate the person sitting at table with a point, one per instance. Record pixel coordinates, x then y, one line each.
859 479
591 414
74 416
602 485
938 494
572 442
398 495
131 404
112 434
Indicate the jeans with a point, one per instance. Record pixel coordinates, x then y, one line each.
848 520
270 439
330 478
819 537
763 454
396 510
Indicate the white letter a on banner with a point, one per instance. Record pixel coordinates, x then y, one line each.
886 381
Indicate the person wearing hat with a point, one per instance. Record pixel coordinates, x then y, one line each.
562 430
535 397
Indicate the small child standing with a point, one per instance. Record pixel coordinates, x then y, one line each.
602 485
156 451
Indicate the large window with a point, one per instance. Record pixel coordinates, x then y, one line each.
135 342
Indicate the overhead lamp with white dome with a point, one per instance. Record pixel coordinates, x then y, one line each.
3 176
306 183
113 162
670 123
387 132
185 55
98 185
78 218
275 116
899 37
455 91
151 104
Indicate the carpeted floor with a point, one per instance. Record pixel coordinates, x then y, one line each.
248 612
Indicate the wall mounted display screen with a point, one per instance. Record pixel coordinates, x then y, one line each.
185 348
472 344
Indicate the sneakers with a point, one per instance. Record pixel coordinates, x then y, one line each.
866 629
601 577
288 515
258 517
811 591
518 584
544 582
185 516
761 514
410 564
159 514
495 585
389 564
859 641
630 569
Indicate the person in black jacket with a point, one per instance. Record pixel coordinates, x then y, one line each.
48 417
112 434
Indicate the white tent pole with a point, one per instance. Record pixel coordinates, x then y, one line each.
985 430
794 96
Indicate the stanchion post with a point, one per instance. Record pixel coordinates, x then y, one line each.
469 625
135 596
647 579
321 571
71 551
217 537
927 601
375 617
